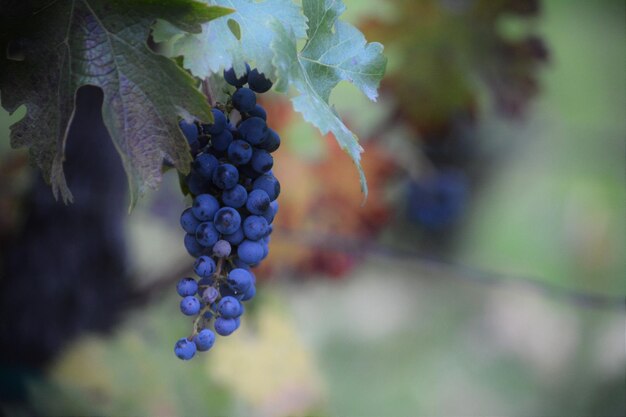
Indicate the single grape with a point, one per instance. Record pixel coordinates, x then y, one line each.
271 142
190 130
244 100
231 77
255 227
270 213
194 248
204 207
188 221
253 130
258 111
250 251
225 326
261 161
186 286
207 235
221 141
205 164
250 293
225 176
239 152
190 306
221 249
204 340
437 202
229 307
209 295
218 125
258 201
204 266
185 349
269 184
235 197
227 220
258 82
239 280
235 238
265 247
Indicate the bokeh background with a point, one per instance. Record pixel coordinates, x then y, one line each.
485 275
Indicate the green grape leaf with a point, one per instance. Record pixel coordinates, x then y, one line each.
334 51
55 47
217 48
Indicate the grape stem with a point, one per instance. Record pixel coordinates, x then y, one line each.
208 91
206 308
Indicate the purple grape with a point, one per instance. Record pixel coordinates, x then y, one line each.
244 100
204 207
188 221
270 213
219 123
250 293
258 82
261 161
222 141
253 130
185 349
227 220
271 142
225 327
190 130
250 252
232 79
210 295
239 152
205 164
186 286
258 201
204 266
190 306
239 280
235 197
221 249
269 184
206 234
229 307
258 111
235 238
255 227
194 248
204 340
225 176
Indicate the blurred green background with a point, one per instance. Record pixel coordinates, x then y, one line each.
498 323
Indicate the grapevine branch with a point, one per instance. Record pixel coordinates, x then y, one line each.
457 270
354 246
207 90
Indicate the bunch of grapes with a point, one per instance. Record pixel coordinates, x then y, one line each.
437 201
234 203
